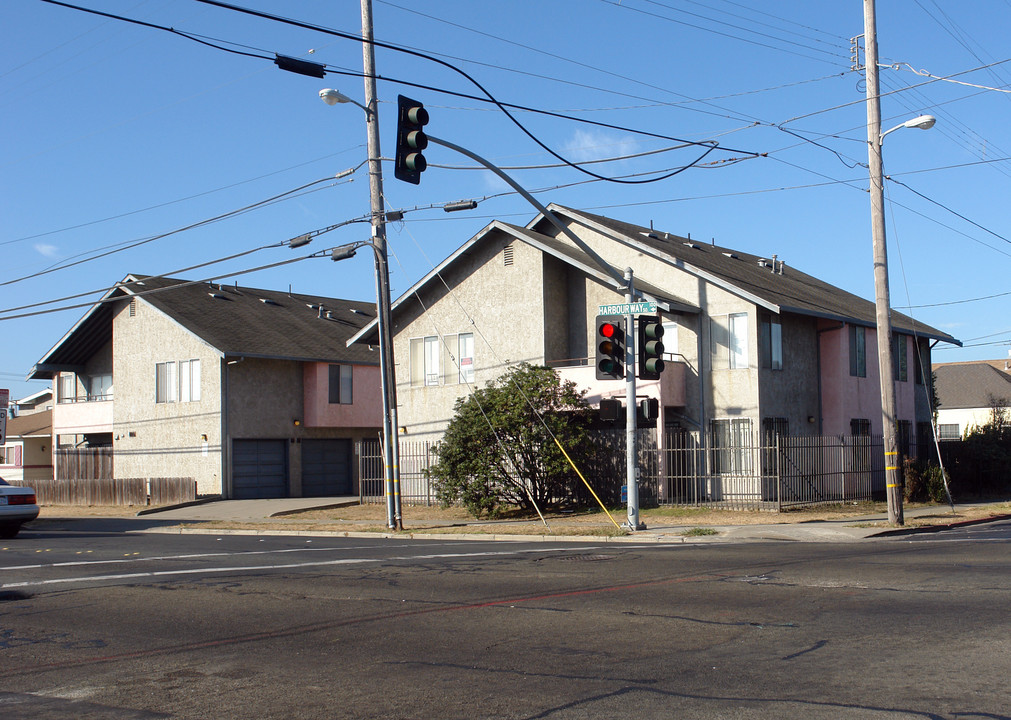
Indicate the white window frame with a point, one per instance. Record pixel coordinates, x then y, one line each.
465 358
670 340
177 381
737 337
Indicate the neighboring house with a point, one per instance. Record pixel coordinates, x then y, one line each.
27 453
252 393
36 402
753 345
967 392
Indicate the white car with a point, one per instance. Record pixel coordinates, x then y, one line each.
17 506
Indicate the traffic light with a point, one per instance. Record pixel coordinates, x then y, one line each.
649 343
610 341
411 140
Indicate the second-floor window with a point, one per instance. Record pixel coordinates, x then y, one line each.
771 343
729 340
900 364
445 360
858 351
177 381
100 387
67 389
341 386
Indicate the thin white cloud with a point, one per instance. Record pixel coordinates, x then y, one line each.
49 251
586 145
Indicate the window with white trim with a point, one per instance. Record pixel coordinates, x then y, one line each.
67 388
948 431
445 360
177 381
100 387
670 340
729 341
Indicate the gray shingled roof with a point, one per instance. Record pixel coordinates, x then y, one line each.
970 384
793 291
237 321
264 323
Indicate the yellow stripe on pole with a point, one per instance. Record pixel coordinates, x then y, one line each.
892 452
892 467
586 483
891 485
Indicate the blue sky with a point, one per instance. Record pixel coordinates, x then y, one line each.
115 134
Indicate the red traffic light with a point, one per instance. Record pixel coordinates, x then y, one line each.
608 330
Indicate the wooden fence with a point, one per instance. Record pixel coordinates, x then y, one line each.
113 491
84 463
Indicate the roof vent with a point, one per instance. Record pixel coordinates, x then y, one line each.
268 301
763 263
217 295
690 244
730 255
651 235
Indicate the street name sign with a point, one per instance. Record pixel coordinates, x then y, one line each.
636 308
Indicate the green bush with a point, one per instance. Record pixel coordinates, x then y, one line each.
499 449
922 482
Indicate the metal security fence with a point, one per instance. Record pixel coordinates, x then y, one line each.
732 470
773 473
415 458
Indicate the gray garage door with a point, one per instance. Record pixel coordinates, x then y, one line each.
326 468
259 469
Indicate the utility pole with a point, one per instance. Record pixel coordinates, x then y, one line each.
391 449
893 486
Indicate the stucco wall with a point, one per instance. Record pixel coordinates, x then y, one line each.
501 304
169 439
266 398
845 397
965 418
365 410
792 392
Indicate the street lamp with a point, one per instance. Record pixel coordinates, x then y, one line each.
391 450
332 97
921 122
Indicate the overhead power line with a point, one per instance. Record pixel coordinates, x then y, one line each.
397 48
129 245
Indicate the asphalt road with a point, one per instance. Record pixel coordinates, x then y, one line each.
114 625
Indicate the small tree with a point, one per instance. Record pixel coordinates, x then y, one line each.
498 451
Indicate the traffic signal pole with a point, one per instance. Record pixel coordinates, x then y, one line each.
631 456
388 382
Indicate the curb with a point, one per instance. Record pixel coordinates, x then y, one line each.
938 528
635 539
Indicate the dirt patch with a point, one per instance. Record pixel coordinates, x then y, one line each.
428 520
70 511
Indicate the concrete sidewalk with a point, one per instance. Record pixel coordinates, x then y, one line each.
267 517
